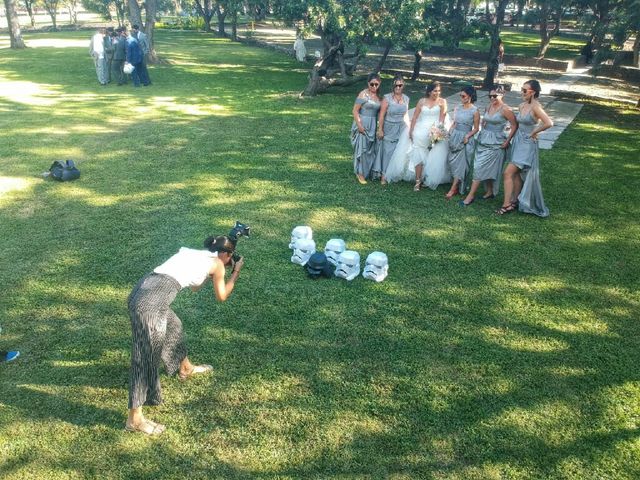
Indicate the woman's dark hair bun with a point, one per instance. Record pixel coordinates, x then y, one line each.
535 86
221 243
471 91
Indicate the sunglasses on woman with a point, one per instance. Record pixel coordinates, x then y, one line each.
398 85
374 84
493 95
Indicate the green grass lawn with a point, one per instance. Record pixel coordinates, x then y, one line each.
497 348
527 44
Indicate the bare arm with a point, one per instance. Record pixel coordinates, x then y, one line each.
381 115
476 126
511 118
443 110
221 289
356 113
542 116
416 114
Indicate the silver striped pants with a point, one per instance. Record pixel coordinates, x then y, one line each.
157 337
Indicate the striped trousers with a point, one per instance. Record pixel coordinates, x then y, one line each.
157 337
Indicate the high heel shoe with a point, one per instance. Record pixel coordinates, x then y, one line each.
417 186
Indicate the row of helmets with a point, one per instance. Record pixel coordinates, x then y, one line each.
346 262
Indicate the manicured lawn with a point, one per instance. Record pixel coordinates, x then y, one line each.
519 43
498 347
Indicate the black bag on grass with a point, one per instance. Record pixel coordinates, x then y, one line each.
64 172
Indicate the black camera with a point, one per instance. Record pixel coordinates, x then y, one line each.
238 230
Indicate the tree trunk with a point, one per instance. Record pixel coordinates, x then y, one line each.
134 13
221 17
151 8
521 4
545 34
383 58
52 10
416 64
322 64
28 4
234 27
492 61
15 35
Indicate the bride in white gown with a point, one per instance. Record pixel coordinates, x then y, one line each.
415 157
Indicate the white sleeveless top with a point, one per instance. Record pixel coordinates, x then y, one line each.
189 267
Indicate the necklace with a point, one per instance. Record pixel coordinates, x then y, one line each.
396 99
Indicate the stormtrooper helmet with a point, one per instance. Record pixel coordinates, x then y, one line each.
302 250
300 232
376 267
333 249
348 266
318 266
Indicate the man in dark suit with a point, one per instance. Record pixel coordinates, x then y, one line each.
119 56
143 41
134 57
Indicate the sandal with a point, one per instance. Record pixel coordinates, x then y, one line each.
417 186
196 370
147 427
361 180
507 209
451 193
488 197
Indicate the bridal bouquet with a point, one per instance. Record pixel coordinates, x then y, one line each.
437 133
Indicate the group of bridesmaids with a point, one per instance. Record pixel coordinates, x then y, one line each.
430 147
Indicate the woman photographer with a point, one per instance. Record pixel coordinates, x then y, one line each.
157 330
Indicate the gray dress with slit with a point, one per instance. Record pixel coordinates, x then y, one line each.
394 125
365 145
461 155
524 155
489 156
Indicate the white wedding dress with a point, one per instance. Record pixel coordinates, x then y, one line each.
409 154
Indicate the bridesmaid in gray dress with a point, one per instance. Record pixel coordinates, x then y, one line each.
492 147
522 189
392 121
466 123
363 130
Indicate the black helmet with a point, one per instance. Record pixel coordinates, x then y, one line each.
318 265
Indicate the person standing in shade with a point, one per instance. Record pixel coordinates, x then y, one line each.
157 330
96 50
143 41
492 147
392 121
119 56
109 49
466 123
522 189
134 57
363 131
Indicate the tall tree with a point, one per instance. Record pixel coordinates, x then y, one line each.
135 15
51 6
550 14
494 32
72 8
15 34
205 8
29 5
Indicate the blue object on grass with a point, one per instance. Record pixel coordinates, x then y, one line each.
11 356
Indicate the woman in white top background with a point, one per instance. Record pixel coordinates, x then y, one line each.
157 330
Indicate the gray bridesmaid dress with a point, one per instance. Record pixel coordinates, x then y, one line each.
461 155
524 155
489 156
393 127
365 146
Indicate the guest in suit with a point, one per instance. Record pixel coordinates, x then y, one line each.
119 56
134 57
143 41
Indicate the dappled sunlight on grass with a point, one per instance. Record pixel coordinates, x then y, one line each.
34 42
28 93
13 184
508 338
